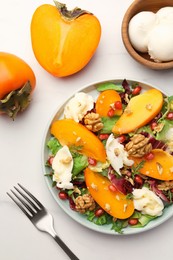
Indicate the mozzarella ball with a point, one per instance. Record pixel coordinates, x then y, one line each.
139 28
160 43
165 15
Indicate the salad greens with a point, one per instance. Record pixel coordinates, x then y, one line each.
110 85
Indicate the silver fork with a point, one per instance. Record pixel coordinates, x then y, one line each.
38 215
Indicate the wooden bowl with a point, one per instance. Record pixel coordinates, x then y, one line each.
136 7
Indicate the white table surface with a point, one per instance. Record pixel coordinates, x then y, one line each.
21 141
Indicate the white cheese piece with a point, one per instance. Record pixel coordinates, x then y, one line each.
160 43
62 165
139 28
116 154
147 202
99 166
78 106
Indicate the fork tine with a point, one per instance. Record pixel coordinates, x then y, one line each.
19 205
24 203
27 199
32 196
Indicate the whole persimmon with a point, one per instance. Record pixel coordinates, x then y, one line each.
17 82
64 41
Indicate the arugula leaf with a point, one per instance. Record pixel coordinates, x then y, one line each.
170 195
54 145
80 162
108 123
90 215
110 85
136 169
119 225
167 106
105 219
129 196
104 172
146 128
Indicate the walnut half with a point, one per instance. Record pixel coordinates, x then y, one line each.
166 185
84 203
138 146
93 122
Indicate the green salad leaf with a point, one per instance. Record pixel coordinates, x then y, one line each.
110 85
80 162
119 225
104 219
54 145
108 123
162 135
143 219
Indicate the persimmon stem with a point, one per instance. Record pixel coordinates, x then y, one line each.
69 14
16 101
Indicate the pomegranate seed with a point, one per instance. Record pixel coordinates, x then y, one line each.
118 105
136 90
138 179
170 116
50 160
92 161
99 212
103 136
112 188
153 125
63 195
133 221
111 112
149 156
121 139
72 204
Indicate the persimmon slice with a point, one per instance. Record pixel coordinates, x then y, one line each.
71 133
114 203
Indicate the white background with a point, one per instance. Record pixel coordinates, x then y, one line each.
21 141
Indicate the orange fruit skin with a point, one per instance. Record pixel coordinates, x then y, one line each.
15 72
63 47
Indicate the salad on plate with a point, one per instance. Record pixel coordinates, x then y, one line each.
111 155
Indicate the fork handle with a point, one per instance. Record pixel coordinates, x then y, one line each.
66 249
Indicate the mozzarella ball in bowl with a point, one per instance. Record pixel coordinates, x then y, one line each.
160 43
139 28
165 15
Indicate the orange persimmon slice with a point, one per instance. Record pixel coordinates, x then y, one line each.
105 100
114 203
71 133
140 110
160 167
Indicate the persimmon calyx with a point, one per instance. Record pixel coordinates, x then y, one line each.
69 14
16 101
